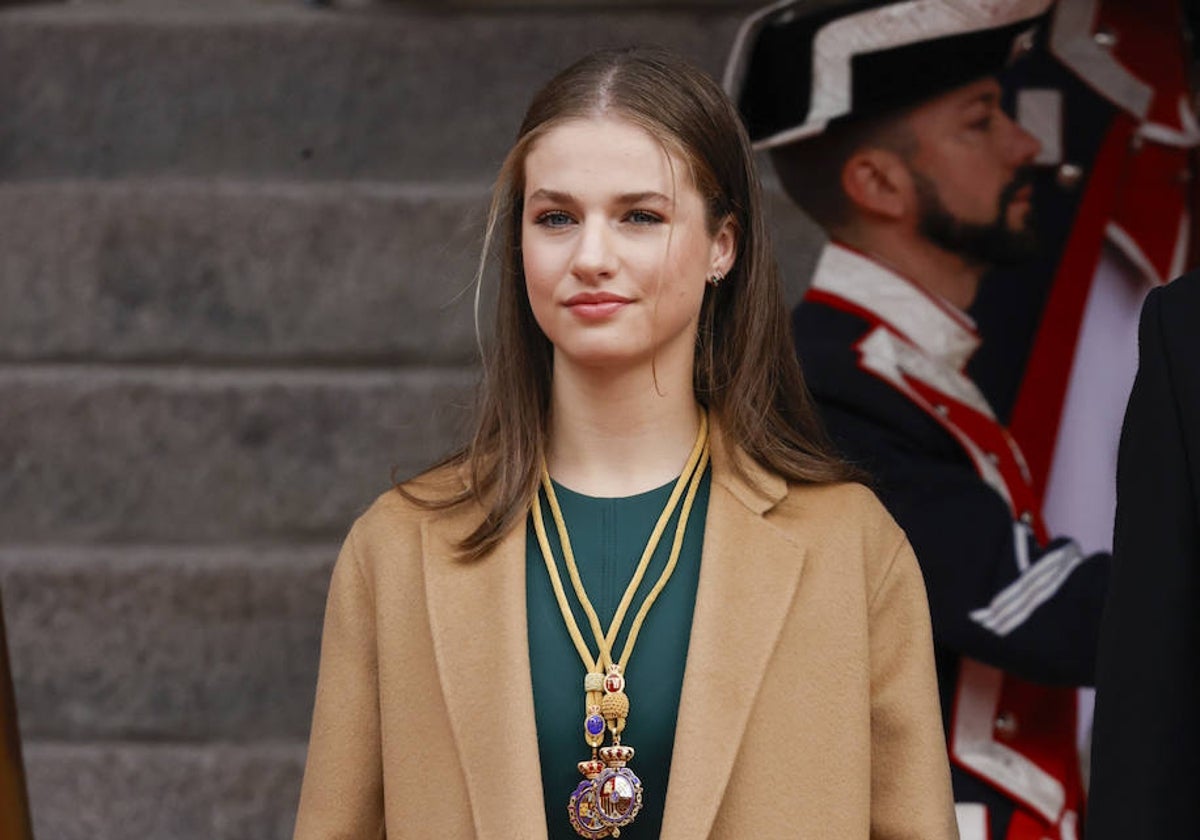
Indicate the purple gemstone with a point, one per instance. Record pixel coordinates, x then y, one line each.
594 724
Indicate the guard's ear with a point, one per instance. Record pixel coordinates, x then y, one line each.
878 183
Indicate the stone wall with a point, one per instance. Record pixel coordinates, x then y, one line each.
236 245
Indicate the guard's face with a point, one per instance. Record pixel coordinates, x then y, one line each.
971 175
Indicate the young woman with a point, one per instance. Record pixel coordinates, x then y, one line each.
645 601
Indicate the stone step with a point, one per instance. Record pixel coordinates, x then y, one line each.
225 271
160 643
295 92
182 455
221 272
173 791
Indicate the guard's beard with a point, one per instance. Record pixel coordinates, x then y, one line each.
990 244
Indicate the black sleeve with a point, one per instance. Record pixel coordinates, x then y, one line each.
1146 740
994 595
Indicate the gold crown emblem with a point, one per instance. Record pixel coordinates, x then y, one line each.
616 755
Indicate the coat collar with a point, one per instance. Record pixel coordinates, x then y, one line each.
749 571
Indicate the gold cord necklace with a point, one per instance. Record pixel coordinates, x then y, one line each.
610 795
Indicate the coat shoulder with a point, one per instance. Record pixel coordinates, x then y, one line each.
838 506
405 499
848 522
398 514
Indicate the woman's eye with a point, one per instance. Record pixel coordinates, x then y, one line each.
644 217
553 218
982 124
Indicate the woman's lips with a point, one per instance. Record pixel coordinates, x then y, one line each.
595 306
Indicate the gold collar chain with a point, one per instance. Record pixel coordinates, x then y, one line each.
610 795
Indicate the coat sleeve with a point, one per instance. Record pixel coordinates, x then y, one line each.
995 595
342 794
1146 740
910 773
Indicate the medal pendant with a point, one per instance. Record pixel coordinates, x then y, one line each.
584 812
583 808
609 798
618 790
618 798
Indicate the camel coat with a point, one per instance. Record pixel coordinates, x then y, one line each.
809 705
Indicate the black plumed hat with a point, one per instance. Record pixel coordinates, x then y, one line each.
798 65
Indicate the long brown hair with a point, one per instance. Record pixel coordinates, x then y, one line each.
745 371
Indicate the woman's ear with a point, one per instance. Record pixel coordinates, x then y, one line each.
724 247
877 183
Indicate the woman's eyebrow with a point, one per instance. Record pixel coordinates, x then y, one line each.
559 197
647 197
553 196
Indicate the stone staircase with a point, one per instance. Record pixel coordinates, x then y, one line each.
236 244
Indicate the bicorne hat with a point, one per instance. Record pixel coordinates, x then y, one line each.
798 65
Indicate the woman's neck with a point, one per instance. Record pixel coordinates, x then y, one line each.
620 435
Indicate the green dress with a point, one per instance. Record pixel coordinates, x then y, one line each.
608 537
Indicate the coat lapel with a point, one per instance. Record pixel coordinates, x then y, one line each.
477 612
748 575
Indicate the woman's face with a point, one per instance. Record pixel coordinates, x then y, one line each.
616 247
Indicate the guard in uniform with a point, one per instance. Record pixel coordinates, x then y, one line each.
885 125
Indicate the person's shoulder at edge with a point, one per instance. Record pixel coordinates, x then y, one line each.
1183 291
1170 310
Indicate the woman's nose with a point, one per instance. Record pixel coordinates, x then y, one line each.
594 254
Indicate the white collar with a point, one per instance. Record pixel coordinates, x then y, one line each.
936 327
